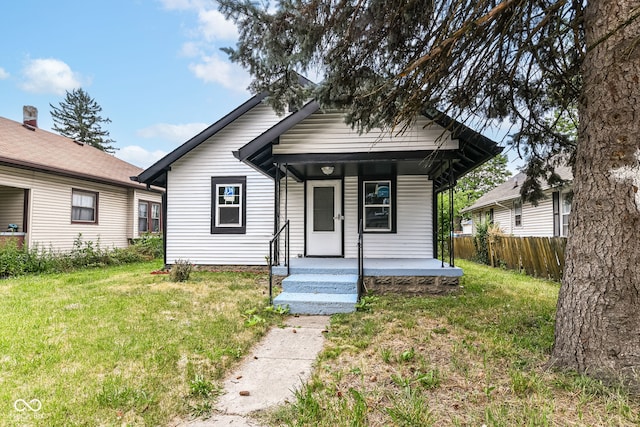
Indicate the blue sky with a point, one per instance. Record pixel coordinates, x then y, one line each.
154 66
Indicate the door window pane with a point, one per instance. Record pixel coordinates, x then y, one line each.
323 209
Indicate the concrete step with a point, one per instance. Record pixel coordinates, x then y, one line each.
317 303
281 270
321 283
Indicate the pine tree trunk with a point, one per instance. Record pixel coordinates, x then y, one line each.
598 317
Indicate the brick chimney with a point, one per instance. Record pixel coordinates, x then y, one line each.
30 116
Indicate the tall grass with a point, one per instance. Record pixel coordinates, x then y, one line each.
120 346
475 358
16 261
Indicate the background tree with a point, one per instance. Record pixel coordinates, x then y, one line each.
479 181
78 118
515 60
470 187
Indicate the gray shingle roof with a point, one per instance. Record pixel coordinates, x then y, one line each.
510 189
38 149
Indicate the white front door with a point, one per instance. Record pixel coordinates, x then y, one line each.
324 218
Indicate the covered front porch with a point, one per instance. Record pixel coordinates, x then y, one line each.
333 285
362 212
14 204
373 267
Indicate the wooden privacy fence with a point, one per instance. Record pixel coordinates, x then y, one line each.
537 256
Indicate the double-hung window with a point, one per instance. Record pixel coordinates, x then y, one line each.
517 213
378 205
84 207
148 217
565 213
228 205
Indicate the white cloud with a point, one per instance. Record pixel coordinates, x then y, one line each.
191 50
174 133
3 74
184 4
214 26
139 156
212 69
49 76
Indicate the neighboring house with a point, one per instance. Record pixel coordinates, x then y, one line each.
504 207
234 185
53 189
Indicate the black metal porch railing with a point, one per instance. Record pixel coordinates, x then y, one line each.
360 259
274 255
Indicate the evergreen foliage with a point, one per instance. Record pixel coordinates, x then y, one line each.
78 117
516 61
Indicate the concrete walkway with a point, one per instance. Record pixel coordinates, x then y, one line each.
280 364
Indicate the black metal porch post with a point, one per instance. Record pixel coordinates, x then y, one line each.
451 218
276 216
442 224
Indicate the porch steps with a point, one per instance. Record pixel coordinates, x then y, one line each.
319 294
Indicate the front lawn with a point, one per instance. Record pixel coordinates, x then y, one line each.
119 345
472 359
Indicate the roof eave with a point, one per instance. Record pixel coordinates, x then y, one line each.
69 174
153 174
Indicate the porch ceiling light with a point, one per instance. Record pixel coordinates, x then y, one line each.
327 170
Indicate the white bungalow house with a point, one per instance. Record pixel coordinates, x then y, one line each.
320 188
53 189
503 206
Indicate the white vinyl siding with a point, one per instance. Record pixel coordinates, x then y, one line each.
502 218
50 200
327 133
189 198
537 220
292 208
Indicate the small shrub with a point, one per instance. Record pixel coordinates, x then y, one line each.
366 303
181 270
481 243
149 245
200 387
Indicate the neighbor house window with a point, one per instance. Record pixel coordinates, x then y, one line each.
228 205
566 212
517 213
490 216
84 207
148 217
378 205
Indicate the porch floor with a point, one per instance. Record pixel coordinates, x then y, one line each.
372 267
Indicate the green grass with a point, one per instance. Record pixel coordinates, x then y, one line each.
478 357
118 345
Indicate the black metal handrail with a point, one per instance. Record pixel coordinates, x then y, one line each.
274 255
360 259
